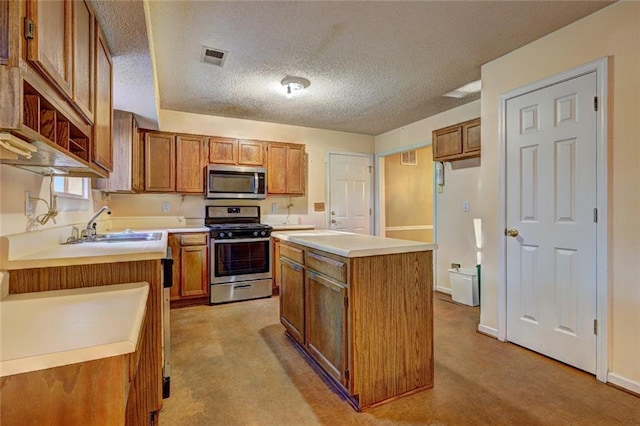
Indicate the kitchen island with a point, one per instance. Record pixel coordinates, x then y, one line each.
360 308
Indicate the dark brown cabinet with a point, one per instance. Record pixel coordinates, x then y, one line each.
457 142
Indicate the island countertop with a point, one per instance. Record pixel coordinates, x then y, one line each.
348 244
53 328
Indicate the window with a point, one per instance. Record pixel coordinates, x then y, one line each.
72 194
71 187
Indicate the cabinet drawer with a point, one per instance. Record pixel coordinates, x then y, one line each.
292 253
327 266
193 239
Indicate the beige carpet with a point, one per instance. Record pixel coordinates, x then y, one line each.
233 365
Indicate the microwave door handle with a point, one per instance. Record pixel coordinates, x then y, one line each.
256 183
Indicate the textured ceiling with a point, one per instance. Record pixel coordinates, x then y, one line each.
374 65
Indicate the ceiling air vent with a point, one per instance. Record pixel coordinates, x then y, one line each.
409 158
214 56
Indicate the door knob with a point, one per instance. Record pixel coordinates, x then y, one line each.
511 232
333 212
334 221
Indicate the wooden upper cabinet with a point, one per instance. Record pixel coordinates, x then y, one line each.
471 136
223 151
4 32
190 163
286 169
235 151
250 153
48 31
83 57
102 139
127 156
159 162
457 142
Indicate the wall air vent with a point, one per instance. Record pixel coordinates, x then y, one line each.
409 158
214 56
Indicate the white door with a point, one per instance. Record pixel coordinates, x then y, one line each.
350 193
551 197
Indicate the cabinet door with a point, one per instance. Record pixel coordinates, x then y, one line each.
190 163
295 170
83 44
193 266
223 151
173 241
326 324
471 136
159 162
49 51
250 153
277 169
292 298
102 143
447 142
137 157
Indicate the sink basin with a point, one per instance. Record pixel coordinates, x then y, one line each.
124 237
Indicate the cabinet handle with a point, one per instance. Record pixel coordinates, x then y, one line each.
292 265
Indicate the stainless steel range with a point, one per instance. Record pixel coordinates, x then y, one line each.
240 260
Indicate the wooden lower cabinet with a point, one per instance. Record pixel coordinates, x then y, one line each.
326 324
190 268
368 321
292 298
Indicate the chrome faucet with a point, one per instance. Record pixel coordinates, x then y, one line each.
90 230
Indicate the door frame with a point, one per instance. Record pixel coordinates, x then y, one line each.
327 166
600 66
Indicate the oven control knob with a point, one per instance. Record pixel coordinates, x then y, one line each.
263 233
229 234
221 235
255 233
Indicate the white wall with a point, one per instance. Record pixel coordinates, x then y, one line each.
614 32
318 144
454 229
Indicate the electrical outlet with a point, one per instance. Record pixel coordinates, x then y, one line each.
28 204
274 207
165 207
465 206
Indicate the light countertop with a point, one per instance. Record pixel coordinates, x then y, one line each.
52 328
352 245
24 251
287 227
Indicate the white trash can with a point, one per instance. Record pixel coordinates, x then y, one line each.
464 286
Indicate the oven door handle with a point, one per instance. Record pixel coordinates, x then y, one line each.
240 240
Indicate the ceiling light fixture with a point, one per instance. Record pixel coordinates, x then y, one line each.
294 84
466 90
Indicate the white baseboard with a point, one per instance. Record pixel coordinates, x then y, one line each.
490 331
623 382
443 290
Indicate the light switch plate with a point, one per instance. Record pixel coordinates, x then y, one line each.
165 207
274 207
465 206
28 204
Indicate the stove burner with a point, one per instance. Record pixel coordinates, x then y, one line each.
235 222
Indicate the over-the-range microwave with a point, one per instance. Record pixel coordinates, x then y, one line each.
236 182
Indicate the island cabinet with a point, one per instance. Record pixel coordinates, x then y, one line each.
457 142
190 271
239 152
366 321
136 392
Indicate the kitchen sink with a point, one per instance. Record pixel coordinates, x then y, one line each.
124 237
